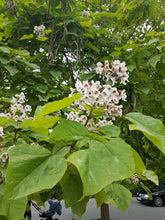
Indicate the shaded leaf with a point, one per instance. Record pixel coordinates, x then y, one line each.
11 209
72 192
4 50
118 196
55 74
153 61
100 198
12 70
68 131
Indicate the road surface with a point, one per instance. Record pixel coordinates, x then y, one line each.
135 211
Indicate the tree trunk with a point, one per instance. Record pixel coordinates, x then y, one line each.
105 212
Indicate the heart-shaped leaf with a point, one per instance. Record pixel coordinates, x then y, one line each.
32 169
102 164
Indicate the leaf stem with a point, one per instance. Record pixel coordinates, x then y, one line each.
90 116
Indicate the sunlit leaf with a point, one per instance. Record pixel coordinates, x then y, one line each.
152 128
58 105
32 169
97 173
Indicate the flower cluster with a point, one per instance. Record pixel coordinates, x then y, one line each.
39 31
96 26
3 159
85 13
97 96
134 179
117 72
18 112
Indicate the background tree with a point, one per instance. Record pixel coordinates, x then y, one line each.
47 45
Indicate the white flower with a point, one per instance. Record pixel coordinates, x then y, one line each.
3 115
99 64
96 26
14 108
39 31
97 96
14 100
22 95
1 132
16 117
8 115
85 13
28 108
4 157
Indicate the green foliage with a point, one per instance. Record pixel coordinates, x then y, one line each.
68 131
58 105
27 162
71 157
45 67
139 165
115 194
118 164
11 209
110 130
72 192
152 128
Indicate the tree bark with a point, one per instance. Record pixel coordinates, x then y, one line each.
105 212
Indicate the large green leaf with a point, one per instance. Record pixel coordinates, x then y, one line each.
85 23
12 70
32 169
141 171
152 128
41 122
150 175
100 197
11 209
139 165
153 61
110 130
58 105
72 192
68 131
4 50
26 37
102 164
3 121
118 196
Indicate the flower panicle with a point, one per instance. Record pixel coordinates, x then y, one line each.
18 111
100 97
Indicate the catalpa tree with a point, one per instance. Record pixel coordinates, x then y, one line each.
80 150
